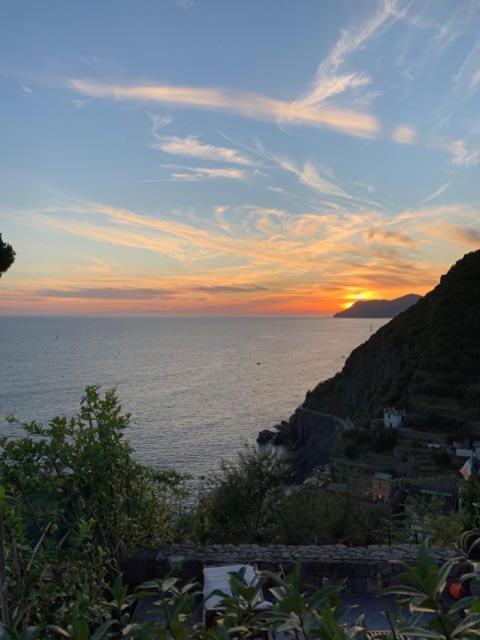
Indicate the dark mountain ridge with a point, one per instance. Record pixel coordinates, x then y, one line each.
379 308
426 360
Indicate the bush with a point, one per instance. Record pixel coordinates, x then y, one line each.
294 614
73 498
441 459
360 437
384 440
313 515
350 451
237 503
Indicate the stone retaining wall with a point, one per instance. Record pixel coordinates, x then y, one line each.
361 567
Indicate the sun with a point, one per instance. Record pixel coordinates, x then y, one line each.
356 296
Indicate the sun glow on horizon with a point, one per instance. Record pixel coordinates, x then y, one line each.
359 296
259 187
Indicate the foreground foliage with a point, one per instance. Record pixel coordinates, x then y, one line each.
295 614
72 497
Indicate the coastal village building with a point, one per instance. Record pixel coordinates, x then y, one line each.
381 487
464 453
393 418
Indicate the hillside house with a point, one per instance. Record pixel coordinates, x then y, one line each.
381 487
393 418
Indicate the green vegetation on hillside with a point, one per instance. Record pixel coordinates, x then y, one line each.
426 360
250 501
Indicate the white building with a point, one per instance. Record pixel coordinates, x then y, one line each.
393 418
464 453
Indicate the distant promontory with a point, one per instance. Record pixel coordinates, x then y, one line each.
379 308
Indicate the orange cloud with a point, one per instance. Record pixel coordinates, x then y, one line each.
250 105
243 259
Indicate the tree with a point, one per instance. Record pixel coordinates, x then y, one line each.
239 500
72 498
7 256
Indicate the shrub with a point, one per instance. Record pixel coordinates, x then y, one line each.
237 503
350 451
294 614
313 515
73 498
384 440
441 459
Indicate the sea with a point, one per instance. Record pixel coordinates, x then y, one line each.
197 388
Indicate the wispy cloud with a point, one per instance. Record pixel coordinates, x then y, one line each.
469 236
308 175
330 81
404 134
184 4
467 78
436 35
390 237
195 174
463 155
438 192
106 293
142 293
266 253
158 123
192 147
250 105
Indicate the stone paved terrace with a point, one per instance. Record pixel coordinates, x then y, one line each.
361 567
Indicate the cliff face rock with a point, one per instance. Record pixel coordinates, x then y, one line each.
426 360
317 435
379 308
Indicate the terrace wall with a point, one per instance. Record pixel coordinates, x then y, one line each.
363 568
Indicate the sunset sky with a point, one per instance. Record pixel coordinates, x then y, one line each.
220 157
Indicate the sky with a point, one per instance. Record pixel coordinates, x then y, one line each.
212 157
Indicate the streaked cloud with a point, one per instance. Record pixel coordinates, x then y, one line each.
463 154
106 293
329 81
468 235
250 105
141 293
270 258
391 237
194 174
467 78
438 192
192 147
309 175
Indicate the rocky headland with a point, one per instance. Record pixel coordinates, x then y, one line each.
426 360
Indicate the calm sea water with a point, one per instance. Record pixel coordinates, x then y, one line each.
197 388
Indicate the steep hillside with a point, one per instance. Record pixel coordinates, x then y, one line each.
426 360
379 308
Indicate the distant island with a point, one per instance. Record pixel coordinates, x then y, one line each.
379 308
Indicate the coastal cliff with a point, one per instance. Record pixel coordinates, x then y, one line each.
426 360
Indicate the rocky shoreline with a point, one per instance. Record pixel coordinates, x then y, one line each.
311 435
